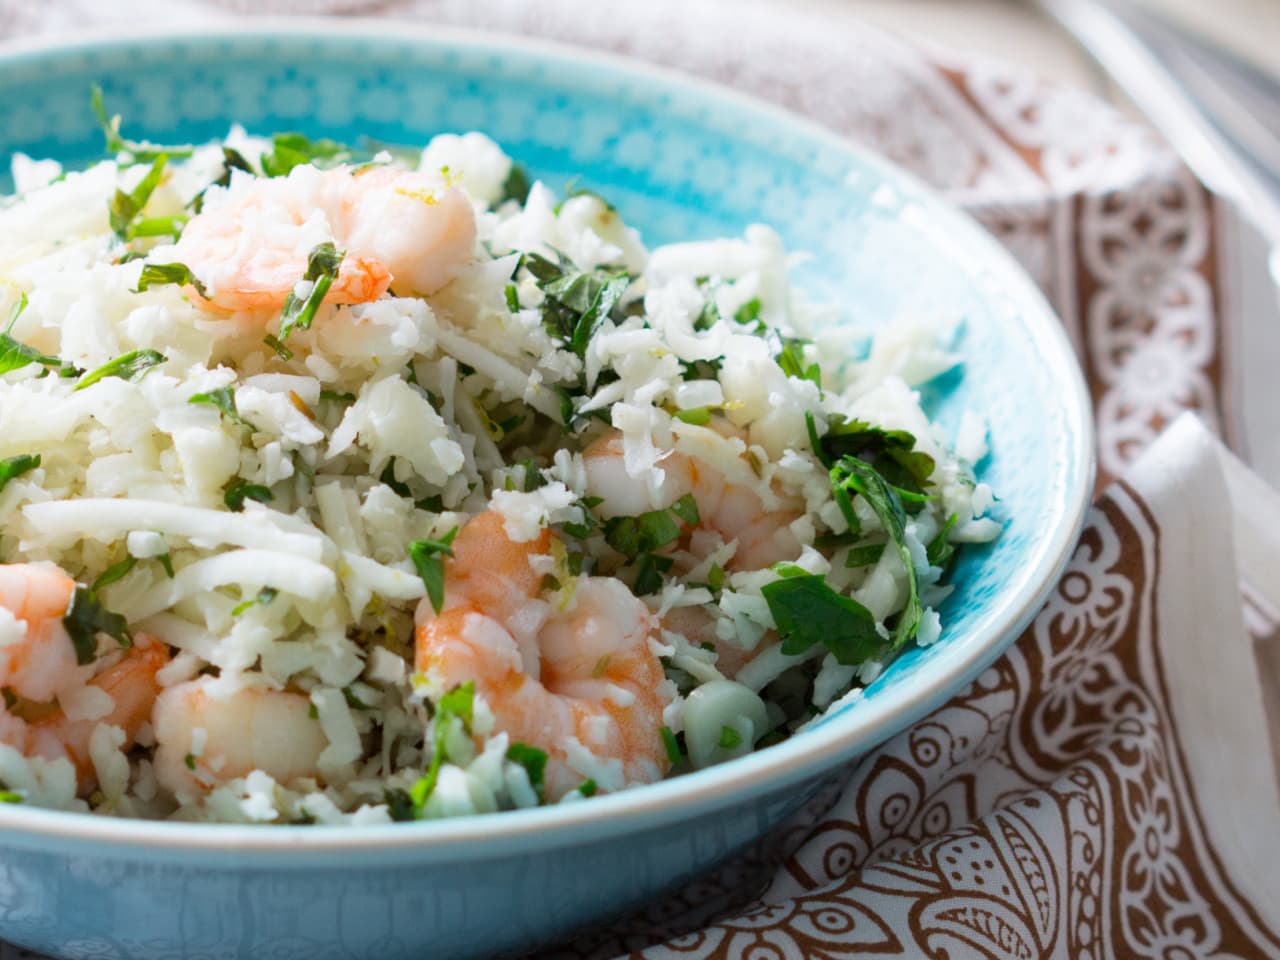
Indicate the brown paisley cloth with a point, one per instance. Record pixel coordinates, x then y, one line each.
1111 786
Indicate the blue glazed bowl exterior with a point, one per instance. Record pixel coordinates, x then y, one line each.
681 161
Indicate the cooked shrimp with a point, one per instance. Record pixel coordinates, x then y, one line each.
729 510
401 230
39 670
207 733
579 683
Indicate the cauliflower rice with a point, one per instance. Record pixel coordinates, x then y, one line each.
274 500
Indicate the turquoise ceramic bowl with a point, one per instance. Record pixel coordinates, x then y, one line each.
681 160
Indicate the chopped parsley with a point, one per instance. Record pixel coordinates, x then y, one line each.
638 538
577 301
289 150
224 399
125 209
534 762
698 416
262 599
647 532
86 618
283 352
863 555
15 355
748 315
853 476
807 612
672 745
130 366
792 360
516 186
891 452
428 559
588 788
231 160
141 151
160 274
729 738
323 264
456 705
8 796
650 569
940 550
15 467
399 805
237 491
114 573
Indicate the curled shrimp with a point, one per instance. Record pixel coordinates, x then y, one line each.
208 733
579 682
38 669
728 511
401 230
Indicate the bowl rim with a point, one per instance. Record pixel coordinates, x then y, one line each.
821 749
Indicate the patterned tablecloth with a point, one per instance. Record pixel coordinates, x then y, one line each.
1109 788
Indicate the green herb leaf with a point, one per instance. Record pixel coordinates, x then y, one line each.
190 761
16 466
749 315
807 612
16 311
891 452
459 704
224 398
289 150
340 397
354 702
160 274
231 160
729 738
399 805
428 559
853 476
792 361
512 296
237 491
588 788
263 598
647 532
940 550
576 302
113 573
15 355
86 618
715 577
125 208
140 151
649 572
698 416
864 555
322 269
283 352
166 564
8 796
534 762
516 186
672 745
130 366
